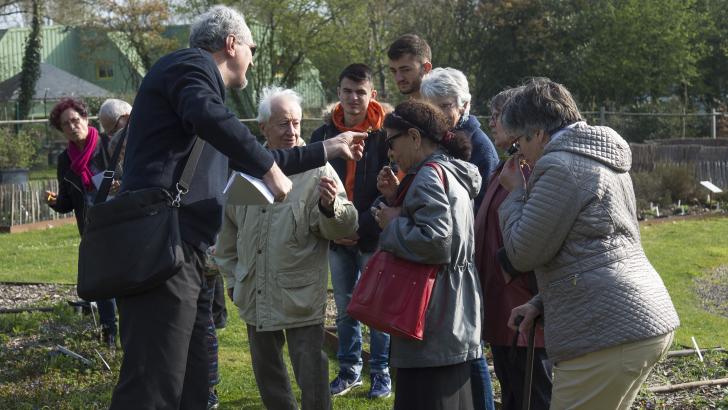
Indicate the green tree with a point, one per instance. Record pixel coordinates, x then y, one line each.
31 65
630 50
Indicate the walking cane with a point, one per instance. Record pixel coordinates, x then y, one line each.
528 375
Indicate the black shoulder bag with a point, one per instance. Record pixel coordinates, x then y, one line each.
131 243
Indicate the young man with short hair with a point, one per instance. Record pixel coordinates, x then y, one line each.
410 59
357 110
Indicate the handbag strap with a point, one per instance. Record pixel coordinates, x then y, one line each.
407 181
110 170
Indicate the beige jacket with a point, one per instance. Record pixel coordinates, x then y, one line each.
276 256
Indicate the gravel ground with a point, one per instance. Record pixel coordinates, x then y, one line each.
35 295
712 290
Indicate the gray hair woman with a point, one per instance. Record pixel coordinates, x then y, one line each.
608 317
447 88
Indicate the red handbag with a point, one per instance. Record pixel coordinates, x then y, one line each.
392 294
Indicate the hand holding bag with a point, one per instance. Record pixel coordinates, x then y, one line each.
132 243
393 293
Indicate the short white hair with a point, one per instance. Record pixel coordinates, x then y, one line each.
447 82
271 94
114 108
210 30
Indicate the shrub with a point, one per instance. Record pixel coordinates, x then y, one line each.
664 185
17 150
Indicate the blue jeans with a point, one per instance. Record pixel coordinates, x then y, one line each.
481 385
107 314
346 265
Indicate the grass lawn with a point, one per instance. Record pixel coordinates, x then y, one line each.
32 378
681 252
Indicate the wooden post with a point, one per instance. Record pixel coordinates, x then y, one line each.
602 116
713 124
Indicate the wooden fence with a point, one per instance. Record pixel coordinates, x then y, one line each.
710 163
26 203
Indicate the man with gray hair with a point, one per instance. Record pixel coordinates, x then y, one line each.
286 293
113 116
182 97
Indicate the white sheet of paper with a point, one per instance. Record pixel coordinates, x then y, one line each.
243 189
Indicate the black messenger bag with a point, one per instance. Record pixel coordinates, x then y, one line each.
131 243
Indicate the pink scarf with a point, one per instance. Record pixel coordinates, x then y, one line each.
80 158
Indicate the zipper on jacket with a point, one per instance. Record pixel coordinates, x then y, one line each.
573 278
74 185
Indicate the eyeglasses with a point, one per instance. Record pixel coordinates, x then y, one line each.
390 140
494 116
446 106
252 47
73 121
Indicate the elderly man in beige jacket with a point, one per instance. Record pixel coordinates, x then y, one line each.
275 262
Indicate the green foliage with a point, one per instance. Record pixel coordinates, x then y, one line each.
31 65
664 185
17 150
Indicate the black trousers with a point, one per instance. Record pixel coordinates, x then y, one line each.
434 388
165 364
510 368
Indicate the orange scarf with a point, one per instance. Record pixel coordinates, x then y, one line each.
373 121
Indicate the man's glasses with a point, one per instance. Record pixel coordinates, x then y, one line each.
252 47
390 140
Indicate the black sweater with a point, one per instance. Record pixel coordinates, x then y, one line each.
182 96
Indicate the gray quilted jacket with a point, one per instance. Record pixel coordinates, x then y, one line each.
576 226
436 227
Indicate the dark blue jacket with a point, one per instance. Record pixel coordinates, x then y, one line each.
182 96
365 182
484 155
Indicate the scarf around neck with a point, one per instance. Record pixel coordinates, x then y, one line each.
81 157
372 122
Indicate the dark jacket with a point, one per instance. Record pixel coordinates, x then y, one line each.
484 155
365 184
71 194
182 96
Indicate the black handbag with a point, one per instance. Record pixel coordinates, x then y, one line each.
131 243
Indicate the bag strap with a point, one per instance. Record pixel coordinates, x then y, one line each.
183 185
110 170
407 181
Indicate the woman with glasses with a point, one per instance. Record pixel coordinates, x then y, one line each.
78 167
607 315
428 218
504 289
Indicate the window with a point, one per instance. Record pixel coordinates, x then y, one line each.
104 70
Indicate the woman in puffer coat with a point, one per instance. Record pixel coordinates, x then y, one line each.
433 225
607 315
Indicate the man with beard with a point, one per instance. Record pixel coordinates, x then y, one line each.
410 59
